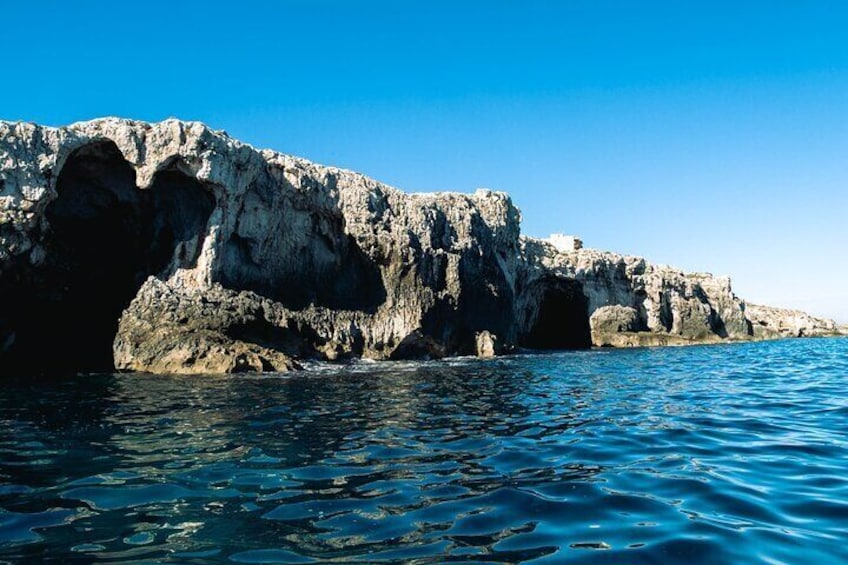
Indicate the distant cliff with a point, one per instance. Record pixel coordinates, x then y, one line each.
173 248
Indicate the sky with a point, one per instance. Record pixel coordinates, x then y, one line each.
712 136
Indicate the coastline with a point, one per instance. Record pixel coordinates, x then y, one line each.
182 250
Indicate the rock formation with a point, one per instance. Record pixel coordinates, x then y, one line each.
768 322
173 248
633 302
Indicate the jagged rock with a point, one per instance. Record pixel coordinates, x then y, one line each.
607 322
170 247
486 344
673 306
167 330
770 322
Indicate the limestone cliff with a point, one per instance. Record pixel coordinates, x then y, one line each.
633 302
171 247
769 322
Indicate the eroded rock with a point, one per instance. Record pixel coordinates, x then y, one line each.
486 344
170 247
609 321
178 331
770 322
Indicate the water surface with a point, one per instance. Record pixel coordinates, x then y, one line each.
726 453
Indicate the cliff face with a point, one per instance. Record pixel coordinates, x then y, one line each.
170 247
768 322
633 302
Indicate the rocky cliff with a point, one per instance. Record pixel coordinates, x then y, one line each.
173 248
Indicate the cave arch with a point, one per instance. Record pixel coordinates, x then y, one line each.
180 209
557 315
105 236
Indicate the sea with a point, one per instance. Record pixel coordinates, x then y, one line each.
731 453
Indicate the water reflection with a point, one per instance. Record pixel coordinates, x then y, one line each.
656 455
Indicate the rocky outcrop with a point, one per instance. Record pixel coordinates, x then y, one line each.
769 322
173 330
173 248
631 302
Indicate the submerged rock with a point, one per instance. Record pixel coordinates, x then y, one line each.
173 248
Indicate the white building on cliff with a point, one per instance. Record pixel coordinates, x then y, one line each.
564 242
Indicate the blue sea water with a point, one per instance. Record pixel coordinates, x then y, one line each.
730 453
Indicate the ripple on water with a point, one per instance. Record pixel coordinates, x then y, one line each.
730 453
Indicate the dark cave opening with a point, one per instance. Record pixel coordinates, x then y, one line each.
180 209
105 237
562 320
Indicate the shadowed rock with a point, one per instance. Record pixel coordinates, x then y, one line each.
170 247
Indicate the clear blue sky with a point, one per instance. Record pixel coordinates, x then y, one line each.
708 135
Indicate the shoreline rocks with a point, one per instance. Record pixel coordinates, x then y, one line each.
173 248
769 322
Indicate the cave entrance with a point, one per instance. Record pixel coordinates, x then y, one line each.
105 238
561 318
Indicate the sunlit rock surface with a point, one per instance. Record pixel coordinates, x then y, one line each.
770 322
173 248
